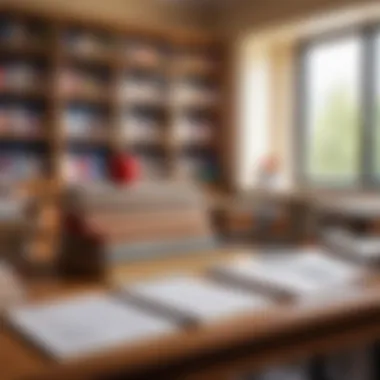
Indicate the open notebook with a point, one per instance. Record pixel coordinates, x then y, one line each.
298 275
85 325
192 300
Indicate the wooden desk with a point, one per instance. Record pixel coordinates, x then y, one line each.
280 334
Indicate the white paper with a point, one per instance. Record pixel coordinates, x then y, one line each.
198 298
367 247
301 274
85 325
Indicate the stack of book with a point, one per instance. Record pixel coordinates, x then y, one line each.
144 90
19 76
357 248
86 44
20 119
193 63
190 93
80 121
146 221
17 33
19 165
74 82
141 128
193 130
141 54
84 167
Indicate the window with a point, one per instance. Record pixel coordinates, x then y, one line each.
339 109
332 79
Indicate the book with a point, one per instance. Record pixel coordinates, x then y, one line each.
85 325
192 300
299 275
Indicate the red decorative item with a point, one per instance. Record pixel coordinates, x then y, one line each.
125 169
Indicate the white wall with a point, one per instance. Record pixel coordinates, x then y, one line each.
253 110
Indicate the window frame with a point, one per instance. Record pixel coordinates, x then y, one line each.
368 76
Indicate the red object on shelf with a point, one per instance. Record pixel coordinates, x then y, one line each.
125 169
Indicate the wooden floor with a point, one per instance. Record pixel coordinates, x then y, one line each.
282 333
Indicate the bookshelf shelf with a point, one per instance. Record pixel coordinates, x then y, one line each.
146 144
28 93
23 137
156 68
94 140
96 98
107 60
189 144
25 51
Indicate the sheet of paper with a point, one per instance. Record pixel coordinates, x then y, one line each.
301 274
198 298
84 325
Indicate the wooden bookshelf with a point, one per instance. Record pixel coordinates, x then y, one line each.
98 87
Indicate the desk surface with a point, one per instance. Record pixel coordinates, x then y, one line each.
211 352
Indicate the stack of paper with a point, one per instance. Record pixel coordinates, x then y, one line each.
194 300
300 275
85 325
362 249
